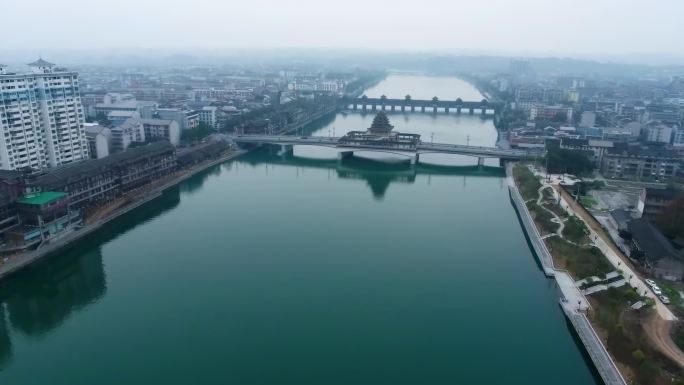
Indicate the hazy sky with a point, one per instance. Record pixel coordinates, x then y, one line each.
510 26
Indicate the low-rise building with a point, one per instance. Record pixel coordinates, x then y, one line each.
186 119
161 129
653 201
596 147
550 112
208 115
42 216
641 164
100 180
620 218
664 261
99 140
656 132
678 138
124 135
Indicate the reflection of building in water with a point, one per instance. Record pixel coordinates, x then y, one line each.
41 298
5 343
38 299
380 134
377 174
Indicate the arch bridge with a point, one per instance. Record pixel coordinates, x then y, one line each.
483 107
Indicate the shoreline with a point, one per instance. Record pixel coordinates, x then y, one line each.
570 295
17 263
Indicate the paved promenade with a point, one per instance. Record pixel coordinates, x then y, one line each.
530 228
573 302
619 261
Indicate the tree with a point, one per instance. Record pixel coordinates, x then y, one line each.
560 117
575 162
201 131
671 219
102 119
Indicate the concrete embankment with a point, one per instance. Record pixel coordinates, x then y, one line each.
572 301
18 262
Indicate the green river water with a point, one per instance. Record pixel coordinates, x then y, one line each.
300 269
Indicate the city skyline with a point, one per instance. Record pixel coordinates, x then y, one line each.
531 27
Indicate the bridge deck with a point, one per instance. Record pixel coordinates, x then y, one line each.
421 148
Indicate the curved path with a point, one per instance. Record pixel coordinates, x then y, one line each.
658 326
559 220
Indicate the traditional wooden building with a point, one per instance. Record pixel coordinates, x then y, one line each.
380 134
104 179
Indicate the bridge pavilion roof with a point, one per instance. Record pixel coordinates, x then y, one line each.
381 124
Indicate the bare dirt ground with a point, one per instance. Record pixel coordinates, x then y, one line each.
657 329
659 333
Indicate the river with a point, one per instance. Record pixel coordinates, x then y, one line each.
300 269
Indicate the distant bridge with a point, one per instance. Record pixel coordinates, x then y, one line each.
483 107
412 152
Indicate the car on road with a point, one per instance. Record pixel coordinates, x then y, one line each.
650 282
664 299
656 290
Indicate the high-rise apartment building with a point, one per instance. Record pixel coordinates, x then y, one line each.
41 118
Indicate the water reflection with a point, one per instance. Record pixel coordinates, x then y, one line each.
378 175
5 342
41 297
195 183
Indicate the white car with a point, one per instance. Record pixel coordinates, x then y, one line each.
656 290
664 299
650 282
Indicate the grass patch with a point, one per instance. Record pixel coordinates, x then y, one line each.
587 201
625 337
580 261
575 230
671 292
528 184
556 209
542 218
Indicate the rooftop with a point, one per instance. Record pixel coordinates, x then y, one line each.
41 198
650 240
156 122
664 193
57 176
41 63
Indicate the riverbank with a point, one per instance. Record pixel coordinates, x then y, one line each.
573 302
17 262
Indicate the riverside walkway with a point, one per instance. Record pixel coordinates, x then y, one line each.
572 301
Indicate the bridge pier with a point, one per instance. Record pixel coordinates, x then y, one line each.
480 162
414 159
446 110
413 108
285 149
484 111
471 110
354 106
458 110
393 107
363 107
422 109
382 107
375 107
344 155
